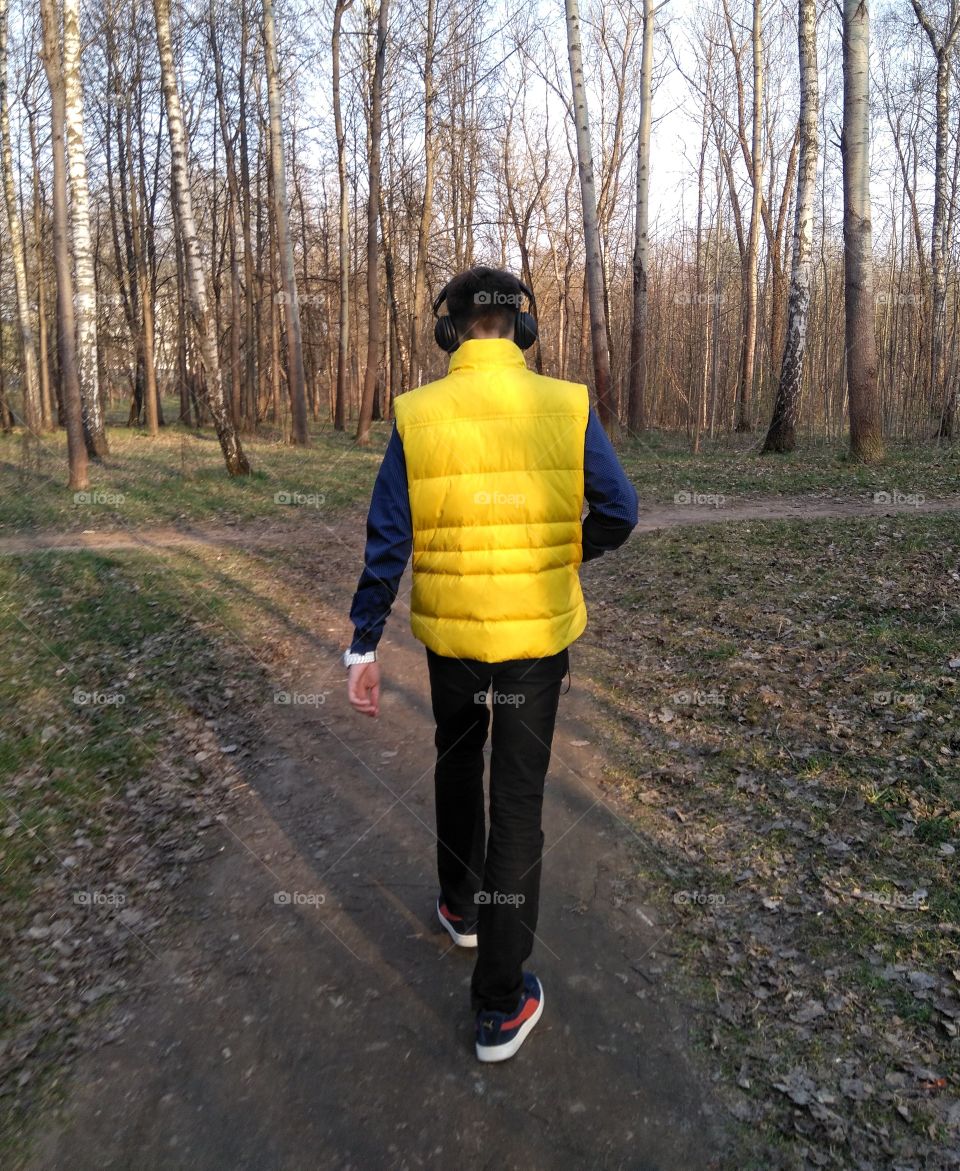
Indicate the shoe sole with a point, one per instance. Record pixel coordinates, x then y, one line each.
505 1052
458 939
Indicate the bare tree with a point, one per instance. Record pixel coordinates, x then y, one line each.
866 440
781 436
636 394
85 289
203 320
32 416
426 204
748 346
67 346
291 303
591 233
343 332
942 42
373 207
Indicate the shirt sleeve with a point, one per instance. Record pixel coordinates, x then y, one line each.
611 498
389 542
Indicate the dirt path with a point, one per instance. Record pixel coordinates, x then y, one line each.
337 1033
652 517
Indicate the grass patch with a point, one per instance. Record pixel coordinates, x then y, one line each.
179 477
818 792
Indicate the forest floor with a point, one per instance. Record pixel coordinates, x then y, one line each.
217 913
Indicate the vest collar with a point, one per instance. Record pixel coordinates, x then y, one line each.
481 353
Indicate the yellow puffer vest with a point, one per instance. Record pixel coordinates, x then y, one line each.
494 456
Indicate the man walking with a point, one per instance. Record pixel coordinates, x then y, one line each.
484 479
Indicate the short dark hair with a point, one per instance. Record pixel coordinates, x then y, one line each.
492 296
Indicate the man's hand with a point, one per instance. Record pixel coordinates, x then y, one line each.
363 688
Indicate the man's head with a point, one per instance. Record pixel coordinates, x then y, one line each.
483 303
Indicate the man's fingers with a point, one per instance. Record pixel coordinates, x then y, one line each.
363 690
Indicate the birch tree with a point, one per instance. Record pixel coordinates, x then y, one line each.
781 436
866 441
84 286
66 336
32 417
203 320
591 233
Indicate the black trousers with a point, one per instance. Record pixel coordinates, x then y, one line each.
494 879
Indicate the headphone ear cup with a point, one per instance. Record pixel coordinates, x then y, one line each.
525 330
445 334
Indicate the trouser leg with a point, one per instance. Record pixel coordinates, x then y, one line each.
525 699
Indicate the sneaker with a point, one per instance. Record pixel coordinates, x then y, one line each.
500 1034
462 933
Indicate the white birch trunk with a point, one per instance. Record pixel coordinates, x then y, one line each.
591 231
84 285
782 434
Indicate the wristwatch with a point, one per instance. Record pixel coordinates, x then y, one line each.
353 659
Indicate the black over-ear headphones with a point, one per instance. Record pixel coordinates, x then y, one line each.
445 332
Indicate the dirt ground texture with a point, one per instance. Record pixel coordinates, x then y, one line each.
296 1005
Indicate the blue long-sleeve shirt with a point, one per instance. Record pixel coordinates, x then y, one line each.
612 515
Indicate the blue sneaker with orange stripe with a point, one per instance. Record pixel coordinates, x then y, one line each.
500 1034
462 933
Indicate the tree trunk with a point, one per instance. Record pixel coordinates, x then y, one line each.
426 206
47 407
343 331
781 436
748 345
866 440
637 388
85 289
591 232
296 375
69 378
373 201
233 455
942 47
32 411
